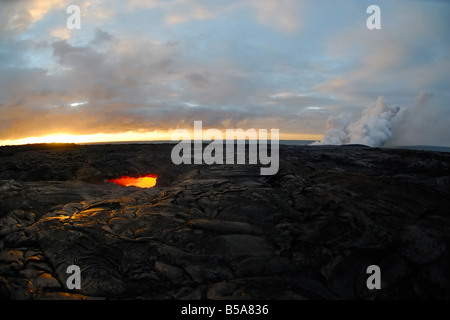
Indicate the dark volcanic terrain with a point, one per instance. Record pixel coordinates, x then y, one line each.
224 231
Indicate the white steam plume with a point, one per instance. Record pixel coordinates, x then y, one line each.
373 128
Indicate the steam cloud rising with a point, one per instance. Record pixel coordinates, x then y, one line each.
380 124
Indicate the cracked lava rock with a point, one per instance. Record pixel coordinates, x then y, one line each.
224 231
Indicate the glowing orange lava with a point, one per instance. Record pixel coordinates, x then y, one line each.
146 181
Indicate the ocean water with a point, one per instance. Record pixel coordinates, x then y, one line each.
282 142
426 148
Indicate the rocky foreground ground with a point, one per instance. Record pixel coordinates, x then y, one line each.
224 231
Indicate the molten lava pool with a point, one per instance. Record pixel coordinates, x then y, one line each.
146 181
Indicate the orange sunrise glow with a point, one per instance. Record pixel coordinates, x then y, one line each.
91 138
124 137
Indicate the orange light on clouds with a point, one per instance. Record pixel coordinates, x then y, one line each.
125 137
147 181
91 138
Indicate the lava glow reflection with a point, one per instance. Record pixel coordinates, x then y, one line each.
146 181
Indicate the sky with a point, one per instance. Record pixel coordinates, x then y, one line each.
138 70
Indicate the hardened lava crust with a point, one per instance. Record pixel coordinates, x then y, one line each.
224 231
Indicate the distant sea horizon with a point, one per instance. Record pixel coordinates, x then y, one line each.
281 142
285 142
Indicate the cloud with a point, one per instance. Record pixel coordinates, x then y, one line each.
283 15
137 84
17 16
145 65
195 11
61 33
139 4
